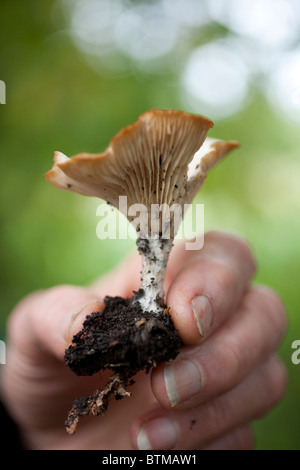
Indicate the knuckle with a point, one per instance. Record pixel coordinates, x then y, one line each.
233 361
246 438
217 412
279 380
239 244
275 384
241 438
273 309
224 277
246 251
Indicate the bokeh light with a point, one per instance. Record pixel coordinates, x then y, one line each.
270 23
216 79
283 89
119 37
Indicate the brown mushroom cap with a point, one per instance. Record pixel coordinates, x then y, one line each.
147 161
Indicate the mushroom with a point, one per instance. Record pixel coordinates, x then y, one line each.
158 164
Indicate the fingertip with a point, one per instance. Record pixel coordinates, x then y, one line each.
241 438
155 430
79 316
192 314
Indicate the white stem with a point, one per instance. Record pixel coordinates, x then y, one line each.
155 254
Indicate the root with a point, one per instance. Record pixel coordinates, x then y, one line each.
97 404
121 338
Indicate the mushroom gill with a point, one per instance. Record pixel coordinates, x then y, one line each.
158 163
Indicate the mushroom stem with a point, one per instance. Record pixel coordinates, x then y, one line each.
155 254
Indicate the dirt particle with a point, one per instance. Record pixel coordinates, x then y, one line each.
192 424
143 245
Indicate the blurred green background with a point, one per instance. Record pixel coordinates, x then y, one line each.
76 72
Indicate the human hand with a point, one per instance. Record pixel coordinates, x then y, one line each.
226 375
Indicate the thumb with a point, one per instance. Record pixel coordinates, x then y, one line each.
47 320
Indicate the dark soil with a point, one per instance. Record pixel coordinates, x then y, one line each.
121 338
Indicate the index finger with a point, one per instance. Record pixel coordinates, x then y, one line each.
209 286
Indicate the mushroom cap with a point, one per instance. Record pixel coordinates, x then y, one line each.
150 162
207 157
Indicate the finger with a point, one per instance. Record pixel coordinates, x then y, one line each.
220 363
241 438
209 286
46 321
161 429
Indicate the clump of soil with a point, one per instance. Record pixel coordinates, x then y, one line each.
121 338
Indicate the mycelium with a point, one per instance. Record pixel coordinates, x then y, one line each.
158 163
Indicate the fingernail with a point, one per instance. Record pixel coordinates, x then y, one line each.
158 434
203 313
78 316
183 380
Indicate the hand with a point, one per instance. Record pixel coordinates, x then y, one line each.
226 375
